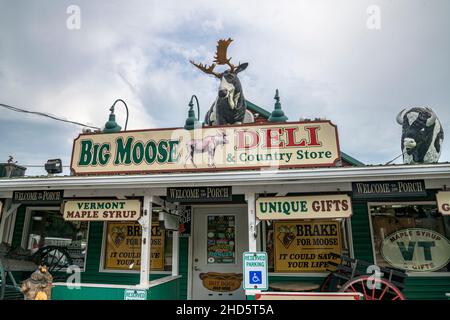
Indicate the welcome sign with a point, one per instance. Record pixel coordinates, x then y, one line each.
250 146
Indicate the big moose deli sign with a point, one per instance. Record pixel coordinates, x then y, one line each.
305 246
299 144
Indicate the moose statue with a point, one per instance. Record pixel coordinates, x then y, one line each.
422 135
230 106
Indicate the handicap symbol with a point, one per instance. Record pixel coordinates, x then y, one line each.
255 277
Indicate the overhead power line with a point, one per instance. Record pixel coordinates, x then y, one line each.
46 115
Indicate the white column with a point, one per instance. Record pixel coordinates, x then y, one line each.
250 197
146 224
175 253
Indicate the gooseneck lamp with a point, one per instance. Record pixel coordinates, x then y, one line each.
111 125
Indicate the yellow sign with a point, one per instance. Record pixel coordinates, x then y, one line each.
296 144
102 210
306 246
443 202
304 207
123 246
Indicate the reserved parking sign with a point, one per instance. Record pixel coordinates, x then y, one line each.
255 271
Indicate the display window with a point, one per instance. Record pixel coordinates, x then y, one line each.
410 236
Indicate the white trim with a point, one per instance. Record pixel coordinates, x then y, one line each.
175 253
249 177
406 202
190 258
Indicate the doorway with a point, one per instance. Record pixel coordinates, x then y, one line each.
220 238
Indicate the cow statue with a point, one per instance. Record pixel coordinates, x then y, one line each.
230 106
422 135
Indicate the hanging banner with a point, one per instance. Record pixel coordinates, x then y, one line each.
250 146
123 246
443 202
306 246
304 207
416 249
102 210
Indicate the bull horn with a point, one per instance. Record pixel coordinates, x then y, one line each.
400 117
432 119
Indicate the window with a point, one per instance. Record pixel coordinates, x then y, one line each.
48 228
305 245
122 251
411 237
221 239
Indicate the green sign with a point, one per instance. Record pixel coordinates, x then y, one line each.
134 294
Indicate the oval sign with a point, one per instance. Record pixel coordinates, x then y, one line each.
416 249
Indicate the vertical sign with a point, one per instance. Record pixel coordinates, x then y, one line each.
255 271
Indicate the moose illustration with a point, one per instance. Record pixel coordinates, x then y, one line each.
208 144
230 105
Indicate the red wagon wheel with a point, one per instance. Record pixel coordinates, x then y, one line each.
373 288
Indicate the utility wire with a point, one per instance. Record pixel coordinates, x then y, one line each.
45 115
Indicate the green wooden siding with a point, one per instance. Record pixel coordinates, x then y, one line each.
416 287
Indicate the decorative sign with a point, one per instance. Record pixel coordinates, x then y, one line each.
38 197
443 202
135 294
250 146
255 271
199 194
221 282
416 249
123 246
389 189
102 210
304 207
306 246
185 221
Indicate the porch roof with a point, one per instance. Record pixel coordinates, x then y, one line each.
236 178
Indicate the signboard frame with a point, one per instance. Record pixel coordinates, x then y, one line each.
333 161
264 270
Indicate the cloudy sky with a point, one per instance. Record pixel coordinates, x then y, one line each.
321 55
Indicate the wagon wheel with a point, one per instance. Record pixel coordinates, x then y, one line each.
381 288
54 258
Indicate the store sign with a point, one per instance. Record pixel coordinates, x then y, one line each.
134 294
304 207
102 210
38 197
389 189
221 282
416 249
123 246
251 146
443 202
255 271
199 194
306 246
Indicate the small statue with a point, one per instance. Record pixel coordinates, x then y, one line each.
230 106
38 286
422 135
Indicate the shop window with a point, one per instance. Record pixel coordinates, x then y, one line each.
122 250
303 246
221 239
411 237
48 228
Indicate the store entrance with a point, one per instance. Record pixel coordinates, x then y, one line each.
219 240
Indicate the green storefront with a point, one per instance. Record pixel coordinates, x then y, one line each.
194 225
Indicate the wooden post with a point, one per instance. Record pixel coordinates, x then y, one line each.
250 197
146 224
175 253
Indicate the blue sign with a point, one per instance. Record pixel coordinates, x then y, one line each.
255 277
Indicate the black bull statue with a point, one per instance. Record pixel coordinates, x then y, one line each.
422 135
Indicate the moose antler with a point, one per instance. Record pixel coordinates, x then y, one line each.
221 53
206 69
